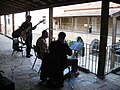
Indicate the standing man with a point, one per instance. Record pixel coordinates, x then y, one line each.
27 25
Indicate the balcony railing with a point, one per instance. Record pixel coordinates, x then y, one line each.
91 56
88 58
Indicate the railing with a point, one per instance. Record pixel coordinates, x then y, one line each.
91 56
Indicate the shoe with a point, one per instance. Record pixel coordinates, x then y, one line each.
28 56
53 85
49 84
18 50
76 74
59 85
42 82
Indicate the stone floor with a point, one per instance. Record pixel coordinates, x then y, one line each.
18 69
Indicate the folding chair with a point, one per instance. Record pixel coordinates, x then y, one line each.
36 51
17 46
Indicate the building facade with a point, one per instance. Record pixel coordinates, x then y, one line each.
85 18
86 24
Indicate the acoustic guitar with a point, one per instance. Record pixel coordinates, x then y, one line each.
27 32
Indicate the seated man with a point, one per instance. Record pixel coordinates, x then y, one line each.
43 49
58 51
41 43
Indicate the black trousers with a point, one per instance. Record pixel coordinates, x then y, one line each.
28 43
51 69
73 62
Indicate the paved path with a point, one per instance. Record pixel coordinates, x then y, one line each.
18 69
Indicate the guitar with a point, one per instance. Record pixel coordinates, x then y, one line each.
27 32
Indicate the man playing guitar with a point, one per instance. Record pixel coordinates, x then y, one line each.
26 33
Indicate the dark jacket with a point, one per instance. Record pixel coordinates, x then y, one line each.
61 50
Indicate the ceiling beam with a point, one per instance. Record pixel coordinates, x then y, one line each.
17 6
71 2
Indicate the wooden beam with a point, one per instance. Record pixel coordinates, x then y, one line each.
71 2
8 8
13 23
18 6
31 3
13 5
5 25
103 39
113 41
50 23
0 25
42 2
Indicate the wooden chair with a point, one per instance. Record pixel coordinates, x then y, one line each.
17 46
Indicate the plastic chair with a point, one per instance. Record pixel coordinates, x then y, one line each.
17 46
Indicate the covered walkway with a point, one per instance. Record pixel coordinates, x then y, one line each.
18 69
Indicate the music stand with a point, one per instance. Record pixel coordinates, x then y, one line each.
77 46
